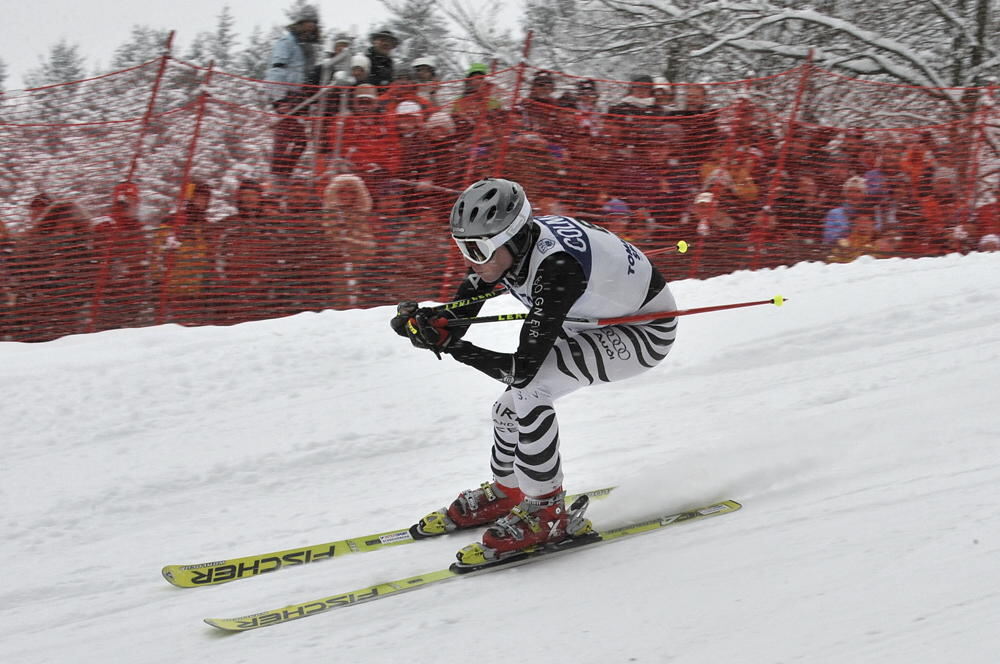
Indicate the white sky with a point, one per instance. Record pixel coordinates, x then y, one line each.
99 26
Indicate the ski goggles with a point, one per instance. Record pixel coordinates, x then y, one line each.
480 250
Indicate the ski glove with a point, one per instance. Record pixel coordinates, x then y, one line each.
425 327
404 311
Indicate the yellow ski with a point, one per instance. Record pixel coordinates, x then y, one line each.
382 590
234 569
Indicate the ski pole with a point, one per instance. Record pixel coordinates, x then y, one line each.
681 247
777 300
458 304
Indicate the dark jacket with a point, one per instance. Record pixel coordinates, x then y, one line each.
380 72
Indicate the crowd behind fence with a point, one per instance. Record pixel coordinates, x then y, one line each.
173 193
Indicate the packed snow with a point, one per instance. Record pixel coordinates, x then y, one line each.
857 424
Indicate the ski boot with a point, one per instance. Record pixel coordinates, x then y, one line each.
534 525
476 507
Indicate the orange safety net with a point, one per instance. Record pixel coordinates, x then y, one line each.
172 193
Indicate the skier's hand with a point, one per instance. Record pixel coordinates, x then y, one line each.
425 327
431 325
404 311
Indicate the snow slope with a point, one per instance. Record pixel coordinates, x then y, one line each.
856 424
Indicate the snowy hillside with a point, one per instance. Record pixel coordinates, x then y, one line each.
857 425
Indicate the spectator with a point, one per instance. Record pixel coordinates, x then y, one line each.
293 58
616 215
251 258
701 133
476 102
123 246
54 264
338 59
538 111
837 223
380 69
722 234
402 89
589 118
863 239
349 223
432 163
370 144
664 95
638 100
730 174
942 211
310 262
290 140
185 261
711 217
425 75
796 225
358 73
409 125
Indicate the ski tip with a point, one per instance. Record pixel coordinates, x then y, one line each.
169 573
221 624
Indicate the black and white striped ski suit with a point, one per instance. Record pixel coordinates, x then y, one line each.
579 271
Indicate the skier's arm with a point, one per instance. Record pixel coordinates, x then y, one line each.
559 283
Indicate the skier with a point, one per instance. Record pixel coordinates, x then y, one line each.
558 267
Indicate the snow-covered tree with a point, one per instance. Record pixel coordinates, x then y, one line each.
144 44
481 35
423 31
928 43
199 51
224 40
3 75
253 60
63 64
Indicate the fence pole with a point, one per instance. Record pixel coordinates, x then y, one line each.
180 216
501 161
144 127
110 239
760 235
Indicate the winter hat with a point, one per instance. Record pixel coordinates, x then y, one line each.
366 91
342 38
307 13
407 107
385 34
441 120
426 61
476 69
360 61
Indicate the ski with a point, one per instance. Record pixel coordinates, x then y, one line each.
455 571
234 569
